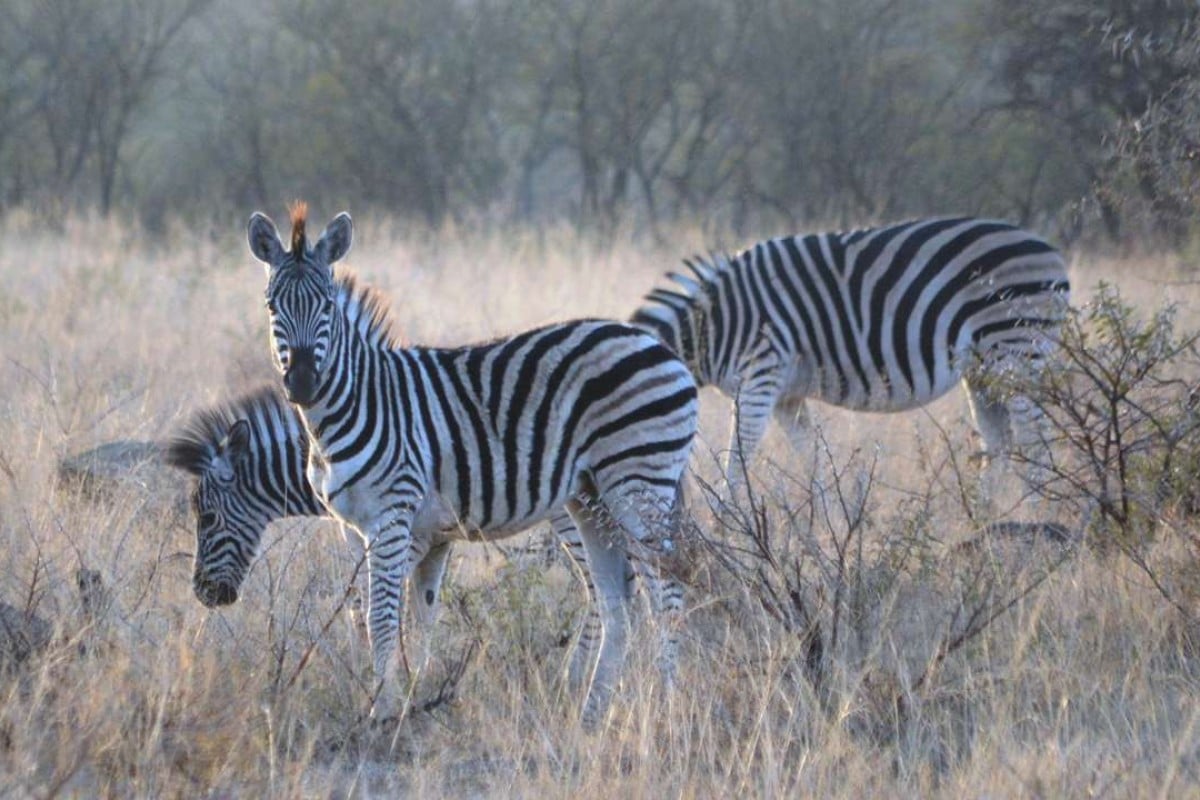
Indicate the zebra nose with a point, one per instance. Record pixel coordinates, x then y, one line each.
300 383
300 379
213 594
225 594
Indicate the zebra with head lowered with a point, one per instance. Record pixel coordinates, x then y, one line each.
880 319
249 458
480 442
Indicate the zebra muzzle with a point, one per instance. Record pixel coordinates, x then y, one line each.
215 593
300 382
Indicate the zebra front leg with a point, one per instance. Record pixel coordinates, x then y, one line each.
791 412
390 555
356 593
753 403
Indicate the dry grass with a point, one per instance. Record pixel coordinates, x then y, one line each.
1086 685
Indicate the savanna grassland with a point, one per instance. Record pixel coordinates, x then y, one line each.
842 642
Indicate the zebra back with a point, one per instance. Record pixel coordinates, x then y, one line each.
503 428
879 318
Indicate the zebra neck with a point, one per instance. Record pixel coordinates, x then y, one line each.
343 395
279 468
686 335
338 386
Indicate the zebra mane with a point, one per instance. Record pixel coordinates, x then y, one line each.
299 213
690 299
679 315
697 289
201 438
366 308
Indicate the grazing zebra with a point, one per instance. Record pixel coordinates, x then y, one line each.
881 319
479 442
249 458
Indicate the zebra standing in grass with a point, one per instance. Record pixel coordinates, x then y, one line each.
881 319
596 417
249 458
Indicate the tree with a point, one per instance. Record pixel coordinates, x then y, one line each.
844 93
1082 67
99 65
612 90
1160 149
412 91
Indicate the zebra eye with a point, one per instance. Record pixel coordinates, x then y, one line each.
208 520
270 304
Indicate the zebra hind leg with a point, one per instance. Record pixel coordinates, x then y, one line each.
1030 432
648 514
606 561
584 655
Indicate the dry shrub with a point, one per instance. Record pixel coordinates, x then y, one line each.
1123 428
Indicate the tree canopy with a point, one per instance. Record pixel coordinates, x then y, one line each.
764 114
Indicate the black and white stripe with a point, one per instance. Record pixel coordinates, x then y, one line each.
249 458
484 440
881 319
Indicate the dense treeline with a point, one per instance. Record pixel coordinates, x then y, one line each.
756 113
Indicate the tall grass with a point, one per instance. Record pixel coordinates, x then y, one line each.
1082 681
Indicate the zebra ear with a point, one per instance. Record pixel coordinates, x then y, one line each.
335 240
264 239
237 443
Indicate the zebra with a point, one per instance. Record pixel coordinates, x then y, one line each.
480 442
248 457
877 319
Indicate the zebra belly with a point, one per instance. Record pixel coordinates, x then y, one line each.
882 395
439 517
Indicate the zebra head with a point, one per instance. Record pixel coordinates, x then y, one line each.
300 296
228 528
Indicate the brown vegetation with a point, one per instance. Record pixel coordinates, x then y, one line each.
842 639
